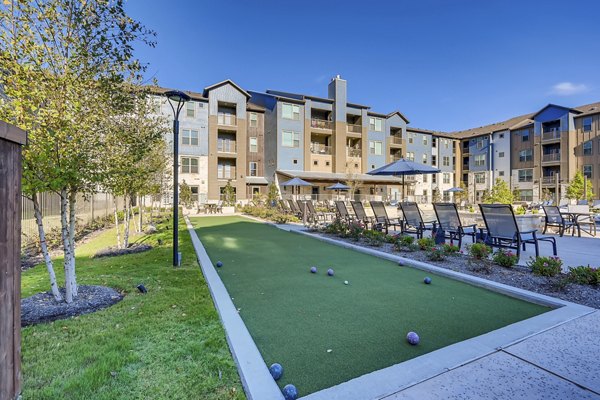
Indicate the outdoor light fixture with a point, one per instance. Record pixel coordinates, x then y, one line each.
176 101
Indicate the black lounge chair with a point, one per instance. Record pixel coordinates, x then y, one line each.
382 219
361 214
413 220
342 211
556 219
449 221
295 209
503 231
317 215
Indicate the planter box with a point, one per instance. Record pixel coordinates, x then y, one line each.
228 210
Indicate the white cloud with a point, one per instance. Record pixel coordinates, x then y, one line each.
569 88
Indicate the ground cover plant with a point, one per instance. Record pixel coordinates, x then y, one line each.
166 344
328 332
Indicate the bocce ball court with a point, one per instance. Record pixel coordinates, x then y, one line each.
324 332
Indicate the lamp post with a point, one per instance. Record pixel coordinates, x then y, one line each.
176 100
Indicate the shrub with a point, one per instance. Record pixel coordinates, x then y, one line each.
584 275
436 253
405 243
374 238
391 239
450 248
545 266
479 251
335 227
471 209
426 243
521 210
355 230
505 258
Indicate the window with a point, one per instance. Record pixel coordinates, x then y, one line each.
501 173
424 178
501 136
225 171
479 142
424 158
587 124
587 171
194 190
411 137
253 145
189 165
327 163
480 178
501 154
526 195
434 160
355 165
375 124
190 109
434 178
189 137
425 140
295 161
410 155
480 160
526 155
446 177
315 162
376 148
290 111
525 136
446 161
290 139
433 141
253 120
446 143
525 175
587 148
253 168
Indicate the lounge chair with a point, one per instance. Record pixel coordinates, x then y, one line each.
583 219
382 219
342 211
295 209
413 220
556 219
317 215
503 231
449 221
361 214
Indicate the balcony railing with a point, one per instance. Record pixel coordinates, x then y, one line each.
317 148
351 152
226 119
226 147
396 139
354 128
552 134
396 157
226 174
551 157
548 180
321 123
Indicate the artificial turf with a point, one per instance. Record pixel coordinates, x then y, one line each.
295 316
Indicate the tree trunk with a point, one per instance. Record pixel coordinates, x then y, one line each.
44 247
141 214
152 210
127 223
72 226
66 246
117 222
135 224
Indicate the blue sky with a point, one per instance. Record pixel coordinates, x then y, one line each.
447 65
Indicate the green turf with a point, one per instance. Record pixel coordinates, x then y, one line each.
295 316
166 344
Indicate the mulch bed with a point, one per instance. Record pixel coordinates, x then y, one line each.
42 307
520 277
114 251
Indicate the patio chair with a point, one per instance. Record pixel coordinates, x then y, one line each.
382 219
413 220
342 211
583 219
317 215
503 231
361 214
294 207
219 208
554 218
301 208
449 221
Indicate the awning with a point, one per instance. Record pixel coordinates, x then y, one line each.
341 177
256 180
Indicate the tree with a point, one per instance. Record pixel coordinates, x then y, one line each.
272 194
228 194
61 63
354 183
436 195
460 196
500 193
575 190
185 195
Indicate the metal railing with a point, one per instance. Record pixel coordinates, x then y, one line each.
226 119
223 174
396 139
318 148
226 146
551 157
552 134
548 180
351 152
354 128
396 157
321 123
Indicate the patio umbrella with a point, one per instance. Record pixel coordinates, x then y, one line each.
338 186
454 190
296 182
403 167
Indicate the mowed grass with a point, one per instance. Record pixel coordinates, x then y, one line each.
295 317
166 344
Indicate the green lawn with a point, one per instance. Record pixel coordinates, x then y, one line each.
166 344
295 316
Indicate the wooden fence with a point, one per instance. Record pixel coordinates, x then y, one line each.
11 139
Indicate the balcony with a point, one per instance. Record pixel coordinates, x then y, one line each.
395 157
226 146
548 180
552 134
226 172
321 124
318 148
397 140
226 119
551 157
353 128
352 152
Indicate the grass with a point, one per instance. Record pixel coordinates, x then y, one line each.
166 344
295 317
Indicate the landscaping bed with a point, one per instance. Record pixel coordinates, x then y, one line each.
115 251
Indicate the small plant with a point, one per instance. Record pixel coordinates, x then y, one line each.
426 243
479 251
521 210
471 209
374 238
355 230
535 211
436 253
405 243
505 258
584 275
450 248
390 239
545 266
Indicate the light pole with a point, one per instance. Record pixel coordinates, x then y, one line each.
176 101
